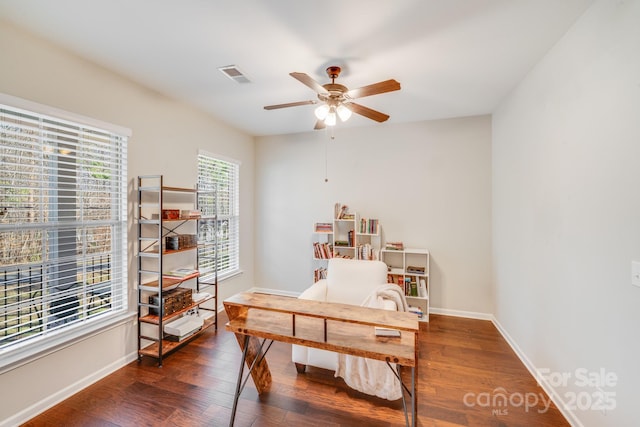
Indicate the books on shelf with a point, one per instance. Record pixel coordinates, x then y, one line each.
366 251
422 289
395 279
415 270
368 226
410 287
413 288
181 272
319 273
322 250
190 214
394 246
342 212
417 311
323 227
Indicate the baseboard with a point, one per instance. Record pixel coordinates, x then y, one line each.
460 313
274 292
542 382
52 400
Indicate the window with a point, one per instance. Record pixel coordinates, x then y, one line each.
63 251
223 176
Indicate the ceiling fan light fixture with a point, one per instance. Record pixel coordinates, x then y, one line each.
343 112
337 100
331 119
322 111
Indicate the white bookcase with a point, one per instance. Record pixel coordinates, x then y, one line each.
347 235
409 268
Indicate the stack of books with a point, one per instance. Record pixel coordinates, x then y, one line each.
415 270
417 311
394 246
181 272
324 227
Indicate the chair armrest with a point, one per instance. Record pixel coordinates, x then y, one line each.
316 292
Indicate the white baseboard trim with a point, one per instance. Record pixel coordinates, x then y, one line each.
460 313
52 400
542 382
258 290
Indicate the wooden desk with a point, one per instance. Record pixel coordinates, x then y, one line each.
336 327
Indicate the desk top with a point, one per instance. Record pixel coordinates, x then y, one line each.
349 328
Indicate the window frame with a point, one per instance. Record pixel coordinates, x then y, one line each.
233 217
24 351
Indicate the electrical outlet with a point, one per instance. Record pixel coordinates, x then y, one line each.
635 273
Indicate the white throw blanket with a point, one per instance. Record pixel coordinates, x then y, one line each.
367 375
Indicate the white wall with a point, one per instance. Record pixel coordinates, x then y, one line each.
166 138
428 183
566 210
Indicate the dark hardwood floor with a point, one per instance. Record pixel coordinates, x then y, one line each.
468 376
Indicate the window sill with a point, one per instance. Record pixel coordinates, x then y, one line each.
230 275
221 278
13 358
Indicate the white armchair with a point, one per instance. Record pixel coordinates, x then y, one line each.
348 282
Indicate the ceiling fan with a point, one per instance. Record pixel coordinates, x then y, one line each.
337 99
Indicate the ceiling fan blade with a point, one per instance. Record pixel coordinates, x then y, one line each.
319 125
367 112
290 104
308 81
374 89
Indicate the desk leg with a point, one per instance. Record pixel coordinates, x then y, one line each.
258 357
411 393
414 409
260 374
238 387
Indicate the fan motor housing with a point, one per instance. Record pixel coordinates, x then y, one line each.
335 92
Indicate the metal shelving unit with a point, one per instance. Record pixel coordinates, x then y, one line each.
153 229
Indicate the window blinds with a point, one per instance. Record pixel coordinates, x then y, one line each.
223 176
63 199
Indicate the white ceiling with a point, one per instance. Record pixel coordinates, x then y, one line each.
453 58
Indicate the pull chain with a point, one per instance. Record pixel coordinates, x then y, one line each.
326 161
326 155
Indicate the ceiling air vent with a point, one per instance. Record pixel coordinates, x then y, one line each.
234 74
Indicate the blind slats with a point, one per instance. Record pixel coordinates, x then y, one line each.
63 191
223 175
